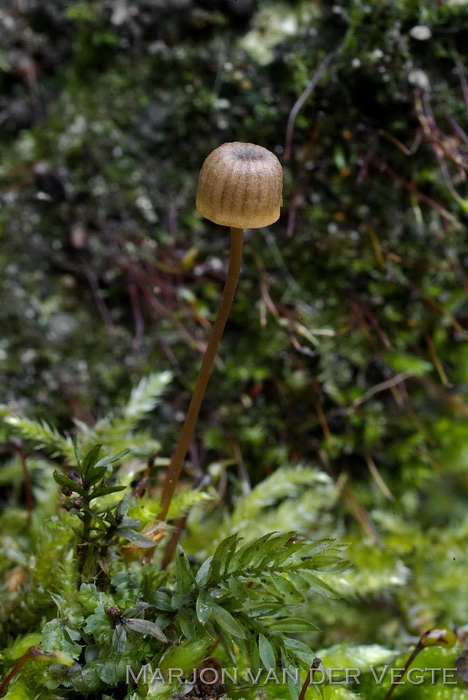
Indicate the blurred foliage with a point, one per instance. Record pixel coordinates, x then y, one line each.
339 403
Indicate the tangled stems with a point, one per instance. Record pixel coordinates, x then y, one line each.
232 278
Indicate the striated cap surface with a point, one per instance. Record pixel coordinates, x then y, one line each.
240 185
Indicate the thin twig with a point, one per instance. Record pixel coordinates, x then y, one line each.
394 381
396 142
377 477
384 167
302 99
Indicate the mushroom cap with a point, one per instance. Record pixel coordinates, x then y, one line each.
240 185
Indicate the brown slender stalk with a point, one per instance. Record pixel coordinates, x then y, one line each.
397 680
13 672
232 278
310 676
436 637
33 653
174 541
30 654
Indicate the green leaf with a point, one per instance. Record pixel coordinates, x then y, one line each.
63 480
204 606
94 476
266 651
222 557
317 585
110 460
186 656
161 600
294 688
178 600
291 625
227 622
237 588
146 627
281 555
56 635
309 550
265 608
90 459
186 622
123 505
130 522
203 572
184 575
285 588
137 609
93 514
184 500
274 545
228 646
298 581
252 553
77 451
119 639
253 654
300 650
136 537
106 491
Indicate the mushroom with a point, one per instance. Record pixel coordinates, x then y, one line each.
240 186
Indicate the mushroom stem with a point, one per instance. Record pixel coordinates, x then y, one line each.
232 278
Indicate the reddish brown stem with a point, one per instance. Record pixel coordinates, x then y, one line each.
315 664
174 540
410 660
175 468
31 652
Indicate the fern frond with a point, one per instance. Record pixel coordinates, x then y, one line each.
86 433
143 399
146 508
287 483
293 495
274 554
184 500
249 592
43 436
146 395
298 498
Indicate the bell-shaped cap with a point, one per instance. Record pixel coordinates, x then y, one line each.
240 185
